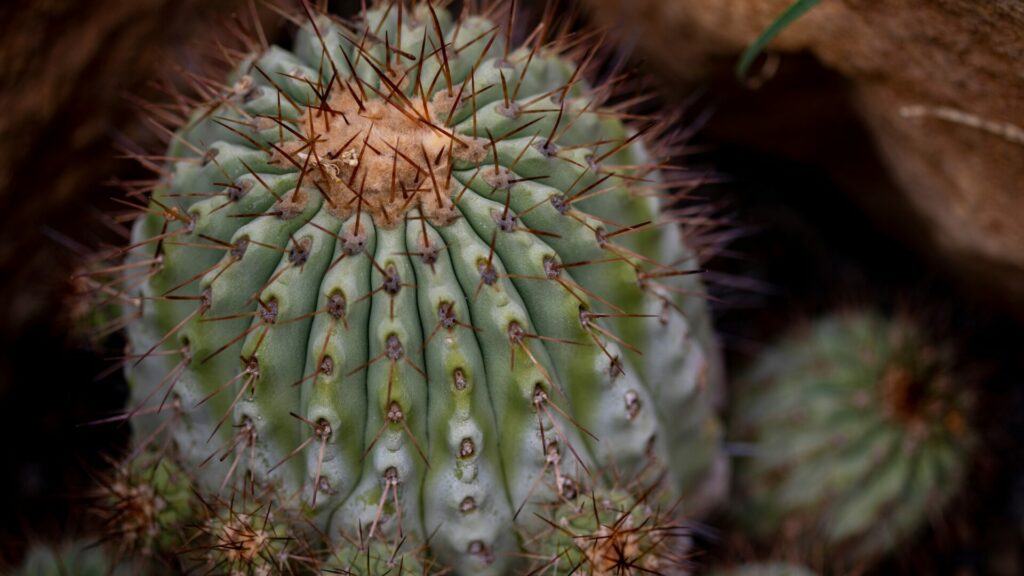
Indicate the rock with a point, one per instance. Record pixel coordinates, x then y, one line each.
937 84
68 70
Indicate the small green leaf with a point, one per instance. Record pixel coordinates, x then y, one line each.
785 19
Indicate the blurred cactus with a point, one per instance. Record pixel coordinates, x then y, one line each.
144 505
74 558
859 430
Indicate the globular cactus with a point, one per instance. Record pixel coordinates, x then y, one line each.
420 283
248 534
144 505
859 431
609 531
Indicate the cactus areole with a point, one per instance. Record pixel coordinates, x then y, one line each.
421 283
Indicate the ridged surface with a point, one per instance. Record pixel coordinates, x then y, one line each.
423 379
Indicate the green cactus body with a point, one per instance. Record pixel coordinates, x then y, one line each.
146 505
420 279
858 429
73 558
607 532
375 558
247 536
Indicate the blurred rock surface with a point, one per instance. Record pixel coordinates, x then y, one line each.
66 69
938 85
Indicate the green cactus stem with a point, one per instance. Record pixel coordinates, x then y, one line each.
375 558
606 532
145 505
860 432
423 281
71 558
250 534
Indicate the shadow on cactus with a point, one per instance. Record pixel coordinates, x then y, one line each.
422 285
859 431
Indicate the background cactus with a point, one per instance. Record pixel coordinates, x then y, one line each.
145 505
72 558
410 281
859 431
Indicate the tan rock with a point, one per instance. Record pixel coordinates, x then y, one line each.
939 85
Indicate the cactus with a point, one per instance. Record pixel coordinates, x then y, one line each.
421 283
609 531
859 429
144 505
362 558
71 558
252 534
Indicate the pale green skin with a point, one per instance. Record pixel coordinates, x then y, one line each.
172 490
675 381
74 558
374 559
826 455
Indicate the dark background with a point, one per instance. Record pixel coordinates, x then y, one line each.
806 247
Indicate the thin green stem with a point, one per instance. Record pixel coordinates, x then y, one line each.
795 11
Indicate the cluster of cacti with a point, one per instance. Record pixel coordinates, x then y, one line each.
406 294
859 433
